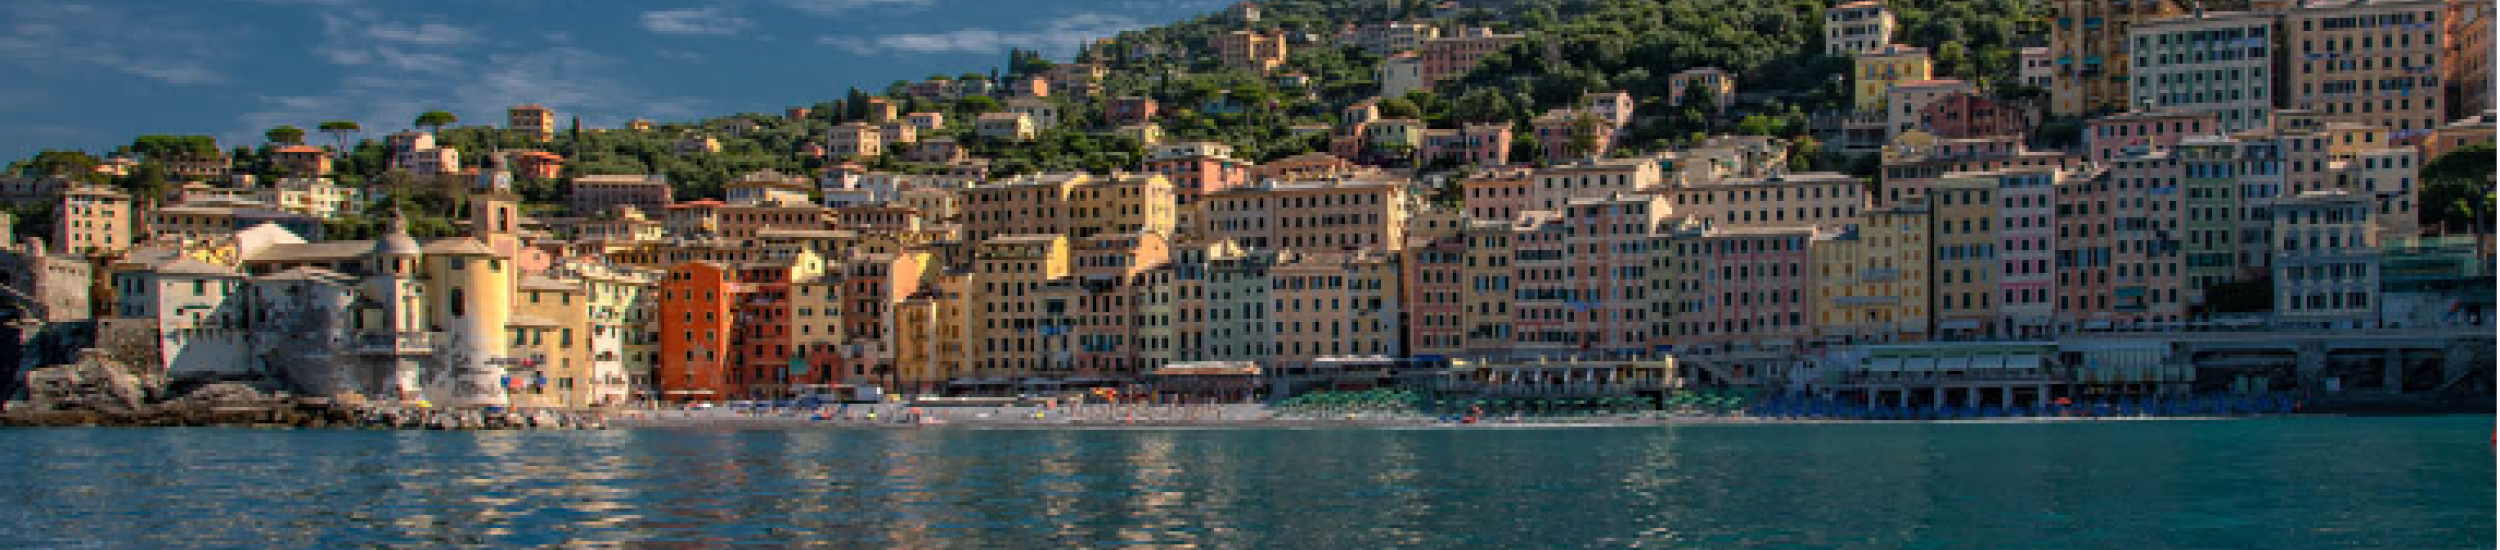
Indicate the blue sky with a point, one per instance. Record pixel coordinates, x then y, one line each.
91 74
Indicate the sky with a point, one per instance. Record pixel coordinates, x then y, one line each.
92 74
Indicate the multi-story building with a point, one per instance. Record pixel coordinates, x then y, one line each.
1486 144
1332 304
1741 307
695 325
1004 126
1906 99
1967 260
1449 56
1497 194
537 165
595 194
2089 40
1582 273
1489 289
1854 27
1045 114
1720 83
854 140
1401 73
1876 70
2469 61
2217 63
417 153
93 219
1008 322
1252 50
2038 67
2326 272
1972 115
2374 62
194 316
1870 280
1389 37
2026 247
1591 178
1793 200
1309 215
1197 168
533 120
301 160
1132 110
2110 137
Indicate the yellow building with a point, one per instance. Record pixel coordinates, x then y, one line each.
93 219
1965 252
1876 71
1871 281
1121 205
931 328
533 120
1007 321
551 336
469 290
1332 304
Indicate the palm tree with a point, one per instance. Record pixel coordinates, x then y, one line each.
437 119
338 130
285 135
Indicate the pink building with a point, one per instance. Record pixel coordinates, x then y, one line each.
1471 144
1436 289
2027 247
926 122
2108 137
1498 193
1741 290
1194 175
2129 261
1450 56
538 165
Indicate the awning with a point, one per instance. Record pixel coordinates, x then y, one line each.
2096 325
1953 364
1883 365
1992 362
1959 325
2023 362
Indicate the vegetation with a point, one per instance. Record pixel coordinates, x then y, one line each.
2457 190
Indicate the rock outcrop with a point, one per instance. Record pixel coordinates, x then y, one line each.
94 383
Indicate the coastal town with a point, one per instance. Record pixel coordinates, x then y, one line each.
2160 202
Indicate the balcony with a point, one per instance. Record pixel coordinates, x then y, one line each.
401 343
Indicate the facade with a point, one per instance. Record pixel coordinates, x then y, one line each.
2376 63
532 120
2221 63
2110 137
1875 71
1871 280
1722 86
1557 185
1971 115
1401 73
1449 56
1309 215
595 194
1005 126
2038 67
2089 40
1252 50
1854 27
2326 268
93 219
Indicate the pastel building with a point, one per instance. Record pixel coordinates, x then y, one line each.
1309 216
1968 263
1854 27
2219 63
1333 304
2326 268
1722 86
533 120
1793 200
1871 279
1497 193
2108 137
1449 56
2089 40
2376 62
2026 248
1591 178
1875 71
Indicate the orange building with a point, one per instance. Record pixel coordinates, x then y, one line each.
694 332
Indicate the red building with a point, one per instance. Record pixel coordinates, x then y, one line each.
537 165
760 340
1969 115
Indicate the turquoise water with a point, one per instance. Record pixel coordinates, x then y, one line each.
2267 483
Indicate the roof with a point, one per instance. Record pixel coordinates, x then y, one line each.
542 282
308 273
299 149
463 246
311 252
187 266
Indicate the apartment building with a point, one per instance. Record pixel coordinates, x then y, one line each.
2219 63
1591 178
533 120
2089 40
2375 62
1310 215
93 220
2326 272
1871 283
1854 27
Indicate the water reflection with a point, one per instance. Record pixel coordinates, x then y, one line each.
2382 483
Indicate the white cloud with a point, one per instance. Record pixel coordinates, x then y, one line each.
1058 36
68 37
431 34
705 21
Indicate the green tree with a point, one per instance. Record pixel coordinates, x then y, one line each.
972 106
285 135
435 120
1399 107
339 130
2457 189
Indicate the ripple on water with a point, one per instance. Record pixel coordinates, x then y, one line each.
2323 482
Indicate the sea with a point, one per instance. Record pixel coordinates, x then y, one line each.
2270 483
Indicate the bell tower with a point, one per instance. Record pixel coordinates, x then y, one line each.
494 209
